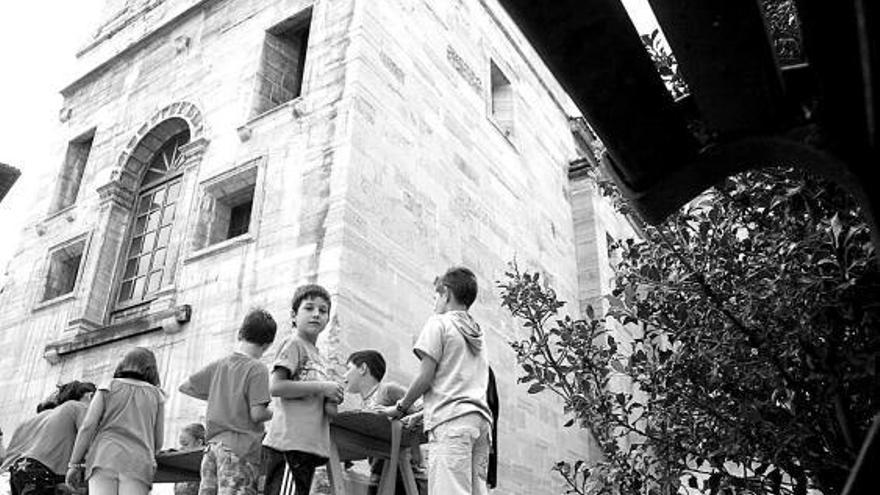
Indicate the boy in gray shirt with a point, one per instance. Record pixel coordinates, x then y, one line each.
237 390
453 377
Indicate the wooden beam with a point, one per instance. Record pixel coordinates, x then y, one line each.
840 42
594 51
725 56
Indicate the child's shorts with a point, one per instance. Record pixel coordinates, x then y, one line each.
224 473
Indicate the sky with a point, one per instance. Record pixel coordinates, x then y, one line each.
38 43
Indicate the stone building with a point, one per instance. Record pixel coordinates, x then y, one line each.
218 153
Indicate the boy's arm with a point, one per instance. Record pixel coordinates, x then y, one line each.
260 413
89 427
159 428
420 384
198 384
280 385
84 437
257 392
331 409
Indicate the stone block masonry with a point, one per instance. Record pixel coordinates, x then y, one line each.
384 168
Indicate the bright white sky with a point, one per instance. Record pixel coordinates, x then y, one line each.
38 42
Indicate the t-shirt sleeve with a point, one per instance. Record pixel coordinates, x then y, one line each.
389 393
288 357
430 341
258 386
78 413
199 383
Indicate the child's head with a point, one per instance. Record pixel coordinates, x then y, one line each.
192 436
75 390
361 364
140 361
310 310
459 284
258 328
308 292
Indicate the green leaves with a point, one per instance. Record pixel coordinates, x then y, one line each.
740 340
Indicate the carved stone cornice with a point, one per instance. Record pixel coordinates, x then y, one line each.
115 193
89 335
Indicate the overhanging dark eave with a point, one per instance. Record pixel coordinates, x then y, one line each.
8 176
596 54
724 53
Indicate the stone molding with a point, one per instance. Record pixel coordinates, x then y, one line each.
115 193
169 320
129 168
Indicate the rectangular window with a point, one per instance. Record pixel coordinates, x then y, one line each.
69 179
147 265
501 104
240 217
227 208
280 77
63 271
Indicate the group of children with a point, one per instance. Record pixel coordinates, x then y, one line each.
121 429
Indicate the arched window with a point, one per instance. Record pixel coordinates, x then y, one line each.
147 264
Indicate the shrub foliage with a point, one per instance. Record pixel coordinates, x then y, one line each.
737 352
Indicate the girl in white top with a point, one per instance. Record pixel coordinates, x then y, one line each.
115 449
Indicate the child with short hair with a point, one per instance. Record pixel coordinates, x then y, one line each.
41 446
453 376
237 390
115 449
363 376
191 437
299 434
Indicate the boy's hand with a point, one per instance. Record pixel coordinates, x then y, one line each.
390 411
411 420
74 478
334 392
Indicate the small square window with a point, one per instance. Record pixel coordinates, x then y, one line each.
64 263
227 208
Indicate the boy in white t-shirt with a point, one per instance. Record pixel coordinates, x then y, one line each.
453 377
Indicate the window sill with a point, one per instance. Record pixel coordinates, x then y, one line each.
54 301
220 247
167 320
294 106
506 134
68 213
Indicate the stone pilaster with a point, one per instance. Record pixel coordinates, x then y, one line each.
97 282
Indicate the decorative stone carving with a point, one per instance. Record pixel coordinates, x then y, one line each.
245 133
181 44
298 108
464 69
65 114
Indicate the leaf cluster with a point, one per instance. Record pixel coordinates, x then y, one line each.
737 352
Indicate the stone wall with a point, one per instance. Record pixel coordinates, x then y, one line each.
433 181
386 170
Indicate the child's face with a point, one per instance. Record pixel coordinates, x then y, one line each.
353 378
312 316
188 441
